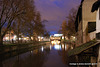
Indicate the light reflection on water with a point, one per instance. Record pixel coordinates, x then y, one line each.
42 48
55 42
47 56
50 47
57 47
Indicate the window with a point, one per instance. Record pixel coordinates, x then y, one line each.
91 27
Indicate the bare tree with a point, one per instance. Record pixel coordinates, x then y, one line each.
71 22
10 10
39 26
25 22
64 28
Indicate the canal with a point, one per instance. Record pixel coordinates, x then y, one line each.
46 56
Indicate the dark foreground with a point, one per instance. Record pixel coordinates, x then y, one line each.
46 56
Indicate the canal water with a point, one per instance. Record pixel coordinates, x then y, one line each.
46 56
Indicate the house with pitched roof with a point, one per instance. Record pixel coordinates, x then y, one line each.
96 8
85 24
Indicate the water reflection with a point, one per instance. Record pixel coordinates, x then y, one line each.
35 58
55 42
47 56
63 51
42 48
57 47
65 47
50 47
60 46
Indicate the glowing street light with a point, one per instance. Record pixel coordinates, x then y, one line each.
7 38
15 37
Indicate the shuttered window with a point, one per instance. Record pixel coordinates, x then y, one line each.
91 27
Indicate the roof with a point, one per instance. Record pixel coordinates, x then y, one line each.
78 16
82 48
95 6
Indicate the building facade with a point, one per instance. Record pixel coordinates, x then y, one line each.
85 22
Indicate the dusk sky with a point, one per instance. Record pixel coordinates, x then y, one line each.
55 12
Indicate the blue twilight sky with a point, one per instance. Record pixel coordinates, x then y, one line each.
55 11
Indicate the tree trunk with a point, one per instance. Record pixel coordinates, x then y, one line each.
18 37
1 40
64 38
30 38
18 31
1 44
9 36
1 64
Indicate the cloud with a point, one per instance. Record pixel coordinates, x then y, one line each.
55 11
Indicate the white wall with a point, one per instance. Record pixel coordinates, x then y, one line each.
87 15
97 22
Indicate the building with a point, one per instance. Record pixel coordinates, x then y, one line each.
9 36
87 26
85 23
56 37
96 7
